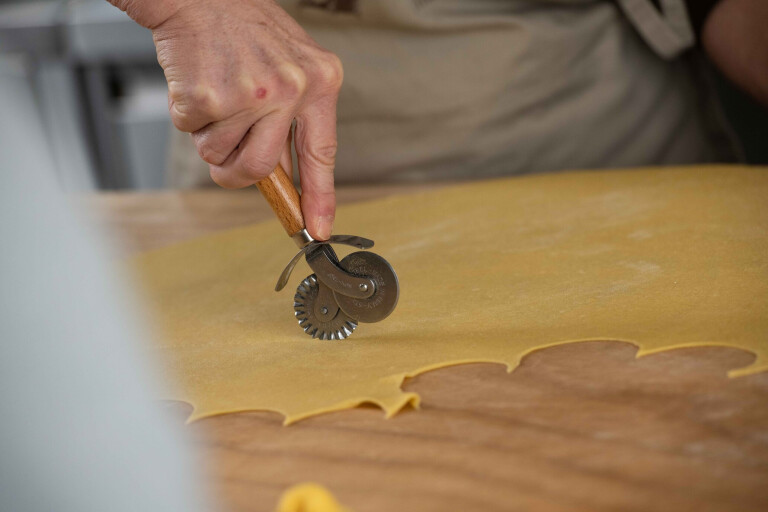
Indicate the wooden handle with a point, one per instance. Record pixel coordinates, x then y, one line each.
282 196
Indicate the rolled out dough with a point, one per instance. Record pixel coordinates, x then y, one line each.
489 271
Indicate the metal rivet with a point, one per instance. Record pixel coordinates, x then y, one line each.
363 287
324 310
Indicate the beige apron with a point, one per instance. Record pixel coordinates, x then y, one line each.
451 89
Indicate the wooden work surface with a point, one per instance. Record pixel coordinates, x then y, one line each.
576 427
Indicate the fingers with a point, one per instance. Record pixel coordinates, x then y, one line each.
258 154
286 158
217 141
316 154
192 107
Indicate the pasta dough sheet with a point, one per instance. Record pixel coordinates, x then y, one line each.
489 271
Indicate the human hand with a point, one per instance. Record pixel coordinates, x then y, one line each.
239 72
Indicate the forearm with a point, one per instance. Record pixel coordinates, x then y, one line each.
735 37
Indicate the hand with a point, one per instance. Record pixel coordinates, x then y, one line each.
735 39
239 72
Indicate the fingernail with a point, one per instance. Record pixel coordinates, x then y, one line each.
323 227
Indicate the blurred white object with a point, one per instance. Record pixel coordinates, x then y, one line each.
80 429
90 66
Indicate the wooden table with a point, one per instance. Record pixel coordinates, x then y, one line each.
577 427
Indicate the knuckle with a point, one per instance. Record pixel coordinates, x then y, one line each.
193 105
205 99
322 156
292 81
250 88
330 71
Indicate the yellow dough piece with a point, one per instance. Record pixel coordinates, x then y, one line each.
489 271
309 498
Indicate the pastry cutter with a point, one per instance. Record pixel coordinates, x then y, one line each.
330 303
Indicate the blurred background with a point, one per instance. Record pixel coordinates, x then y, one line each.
98 88
102 96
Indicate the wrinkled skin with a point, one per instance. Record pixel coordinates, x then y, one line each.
239 72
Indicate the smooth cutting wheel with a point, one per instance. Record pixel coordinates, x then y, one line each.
318 313
384 299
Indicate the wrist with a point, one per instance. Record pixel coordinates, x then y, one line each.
149 13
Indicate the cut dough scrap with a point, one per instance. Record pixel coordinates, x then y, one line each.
309 497
489 271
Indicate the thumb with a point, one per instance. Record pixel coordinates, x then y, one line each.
315 142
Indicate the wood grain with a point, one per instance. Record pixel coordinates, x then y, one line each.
282 196
585 426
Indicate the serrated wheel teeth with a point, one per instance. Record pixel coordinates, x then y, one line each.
338 328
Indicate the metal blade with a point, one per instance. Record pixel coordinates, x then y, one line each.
318 314
283 280
354 241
